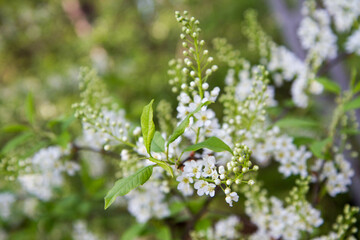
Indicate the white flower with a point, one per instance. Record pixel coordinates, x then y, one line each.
316 36
201 186
71 167
204 118
193 168
210 189
232 197
81 232
6 201
344 12
184 185
353 43
209 170
226 229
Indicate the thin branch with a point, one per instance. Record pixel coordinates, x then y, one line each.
100 151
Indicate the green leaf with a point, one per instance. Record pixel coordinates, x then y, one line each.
16 141
134 231
212 143
180 129
163 164
163 233
60 124
203 224
125 185
147 125
296 122
329 85
158 143
356 88
349 131
176 207
14 128
302 140
354 104
30 108
317 147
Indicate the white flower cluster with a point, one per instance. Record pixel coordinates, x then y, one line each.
204 123
284 65
275 221
47 172
337 174
293 160
205 174
353 43
149 200
246 98
110 125
82 233
248 84
345 13
224 229
316 36
6 201
199 170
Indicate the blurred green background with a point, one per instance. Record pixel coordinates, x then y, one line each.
43 44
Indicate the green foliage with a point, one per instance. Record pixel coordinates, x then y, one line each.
212 143
164 165
353 104
180 129
30 108
158 143
125 185
290 122
147 125
318 147
329 85
16 141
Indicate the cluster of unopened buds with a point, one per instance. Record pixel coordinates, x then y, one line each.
197 60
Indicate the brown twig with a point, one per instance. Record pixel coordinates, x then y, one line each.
77 148
77 17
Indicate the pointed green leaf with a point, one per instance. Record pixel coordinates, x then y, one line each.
296 122
17 141
147 125
163 164
180 129
163 233
357 88
134 231
354 104
14 128
212 143
350 131
30 108
317 147
125 185
158 143
329 85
